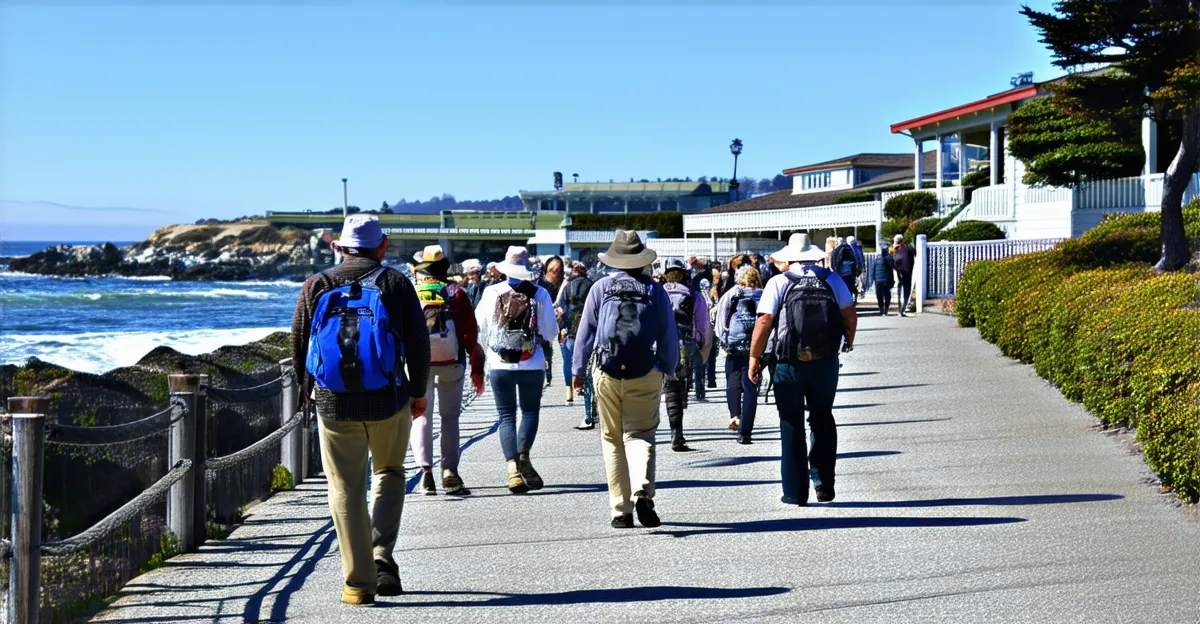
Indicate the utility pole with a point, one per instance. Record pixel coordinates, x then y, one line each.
345 204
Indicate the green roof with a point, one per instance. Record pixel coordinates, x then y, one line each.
631 190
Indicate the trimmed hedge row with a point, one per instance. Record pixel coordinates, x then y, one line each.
971 231
1092 317
667 224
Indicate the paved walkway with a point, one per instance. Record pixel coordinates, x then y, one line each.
968 491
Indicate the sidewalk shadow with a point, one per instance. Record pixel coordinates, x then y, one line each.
722 462
892 422
687 529
673 484
1036 499
585 596
861 374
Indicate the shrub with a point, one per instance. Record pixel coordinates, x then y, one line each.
976 179
855 197
168 546
666 224
281 479
911 206
928 226
1109 332
892 227
261 234
971 231
203 234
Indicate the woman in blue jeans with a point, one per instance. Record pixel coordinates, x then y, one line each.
516 355
736 315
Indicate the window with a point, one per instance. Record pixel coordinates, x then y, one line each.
815 180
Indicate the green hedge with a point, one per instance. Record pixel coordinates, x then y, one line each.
667 224
854 197
1092 317
971 231
911 206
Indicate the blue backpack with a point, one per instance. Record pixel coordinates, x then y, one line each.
627 328
352 347
740 319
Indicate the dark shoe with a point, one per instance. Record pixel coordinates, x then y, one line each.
530 476
388 575
427 486
824 493
645 513
678 444
712 384
624 521
744 440
585 426
453 484
788 500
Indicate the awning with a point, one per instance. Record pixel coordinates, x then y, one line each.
548 237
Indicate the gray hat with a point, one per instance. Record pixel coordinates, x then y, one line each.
628 252
675 264
361 231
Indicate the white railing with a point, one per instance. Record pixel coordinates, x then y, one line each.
1045 194
700 247
947 260
833 215
1142 191
948 197
992 202
598 236
442 232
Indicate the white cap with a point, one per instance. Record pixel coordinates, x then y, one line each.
361 231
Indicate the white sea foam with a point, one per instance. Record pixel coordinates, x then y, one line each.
97 352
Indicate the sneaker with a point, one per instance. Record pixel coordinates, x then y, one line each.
427 486
623 521
516 484
824 493
645 513
585 425
788 500
530 476
388 575
453 484
357 597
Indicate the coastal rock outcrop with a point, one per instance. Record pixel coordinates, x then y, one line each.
242 250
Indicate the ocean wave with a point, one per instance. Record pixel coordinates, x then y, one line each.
99 352
151 293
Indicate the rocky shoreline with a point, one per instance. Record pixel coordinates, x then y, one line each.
243 250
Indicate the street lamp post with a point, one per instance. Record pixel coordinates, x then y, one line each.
345 204
735 148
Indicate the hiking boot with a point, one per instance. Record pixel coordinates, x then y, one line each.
824 493
570 394
645 513
388 576
623 521
678 444
357 597
453 484
516 485
788 500
530 476
744 440
585 425
427 486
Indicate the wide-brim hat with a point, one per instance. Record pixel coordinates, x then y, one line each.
471 264
361 231
799 249
433 261
517 264
627 251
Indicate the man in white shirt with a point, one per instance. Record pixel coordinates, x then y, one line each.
516 321
810 312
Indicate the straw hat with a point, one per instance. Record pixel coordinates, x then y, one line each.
517 264
799 249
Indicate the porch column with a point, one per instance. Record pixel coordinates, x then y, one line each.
994 154
1150 145
918 164
937 138
714 247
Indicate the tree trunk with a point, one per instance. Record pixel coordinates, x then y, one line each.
1175 251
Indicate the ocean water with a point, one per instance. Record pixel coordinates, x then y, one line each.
97 324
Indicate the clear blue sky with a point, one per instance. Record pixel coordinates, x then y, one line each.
117 119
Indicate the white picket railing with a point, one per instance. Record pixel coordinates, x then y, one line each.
992 202
787 219
1120 193
599 236
681 248
947 260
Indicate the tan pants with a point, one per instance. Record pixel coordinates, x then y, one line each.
363 538
628 418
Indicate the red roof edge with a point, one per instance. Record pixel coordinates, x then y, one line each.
992 101
841 164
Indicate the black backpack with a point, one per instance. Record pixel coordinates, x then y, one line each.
627 328
515 324
683 302
809 323
577 292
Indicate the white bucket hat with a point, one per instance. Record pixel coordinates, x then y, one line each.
516 264
361 231
471 264
799 249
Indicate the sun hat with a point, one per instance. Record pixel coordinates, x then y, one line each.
471 264
517 264
432 261
360 231
898 238
674 264
799 249
628 252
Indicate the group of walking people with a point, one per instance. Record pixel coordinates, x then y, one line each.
377 348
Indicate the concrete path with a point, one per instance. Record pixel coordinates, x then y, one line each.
968 491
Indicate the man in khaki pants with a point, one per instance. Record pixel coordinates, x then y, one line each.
628 320
364 400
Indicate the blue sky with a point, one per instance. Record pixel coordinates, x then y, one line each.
118 119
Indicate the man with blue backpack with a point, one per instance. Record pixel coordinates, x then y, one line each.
628 320
357 327
810 314
737 312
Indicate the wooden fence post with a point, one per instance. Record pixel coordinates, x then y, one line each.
28 453
185 503
292 451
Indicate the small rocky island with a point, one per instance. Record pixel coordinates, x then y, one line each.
250 249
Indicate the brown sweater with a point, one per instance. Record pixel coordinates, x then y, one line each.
408 323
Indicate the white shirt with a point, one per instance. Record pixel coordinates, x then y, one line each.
547 326
773 291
